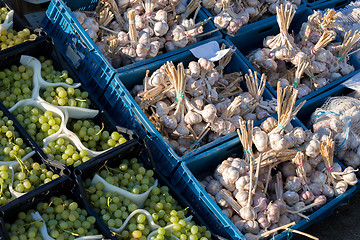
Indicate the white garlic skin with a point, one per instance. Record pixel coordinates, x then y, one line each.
316 188
213 187
242 197
318 177
350 177
260 139
328 191
263 220
269 124
252 227
313 148
293 183
161 28
277 142
169 121
340 188
192 118
240 165
291 197
273 213
228 212
162 108
241 182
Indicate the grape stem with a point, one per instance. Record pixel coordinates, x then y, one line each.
12 165
102 128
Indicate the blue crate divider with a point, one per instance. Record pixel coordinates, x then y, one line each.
257 35
60 23
160 148
250 26
186 180
323 4
77 50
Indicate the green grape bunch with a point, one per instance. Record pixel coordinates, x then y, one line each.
29 175
64 220
3 13
93 137
12 146
63 151
10 37
15 85
60 96
164 209
37 123
5 181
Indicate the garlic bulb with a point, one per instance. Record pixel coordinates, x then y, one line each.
260 139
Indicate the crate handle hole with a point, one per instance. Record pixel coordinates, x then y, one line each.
135 136
2 214
77 172
66 172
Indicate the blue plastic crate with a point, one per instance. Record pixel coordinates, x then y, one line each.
60 23
186 180
271 28
323 4
80 54
124 82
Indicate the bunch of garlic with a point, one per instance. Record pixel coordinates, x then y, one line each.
294 176
316 62
232 15
340 117
349 17
213 103
131 31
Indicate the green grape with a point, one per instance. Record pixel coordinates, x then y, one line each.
63 225
62 150
93 136
164 209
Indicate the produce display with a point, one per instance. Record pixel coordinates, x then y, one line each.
45 101
284 175
291 173
307 61
8 36
59 218
197 105
339 116
232 15
131 31
133 205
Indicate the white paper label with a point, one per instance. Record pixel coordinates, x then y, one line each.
353 83
210 51
73 56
